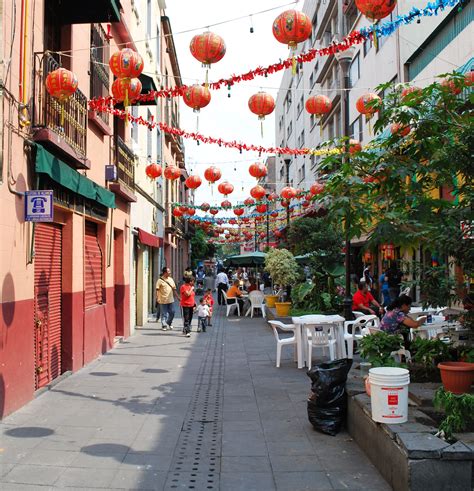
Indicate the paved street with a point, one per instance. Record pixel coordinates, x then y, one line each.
161 411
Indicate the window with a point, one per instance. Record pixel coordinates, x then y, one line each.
148 17
299 73
289 129
288 100
134 129
300 105
382 39
301 139
367 46
314 29
356 129
312 121
311 80
157 41
302 173
99 77
354 72
282 173
280 123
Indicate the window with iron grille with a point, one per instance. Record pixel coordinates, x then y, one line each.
100 54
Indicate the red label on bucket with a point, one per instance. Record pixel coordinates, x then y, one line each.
392 399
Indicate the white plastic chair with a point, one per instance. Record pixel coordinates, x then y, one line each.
362 322
357 314
283 341
256 299
230 306
320 337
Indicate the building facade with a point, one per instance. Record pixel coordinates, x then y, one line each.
73 285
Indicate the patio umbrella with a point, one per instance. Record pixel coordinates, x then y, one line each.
250 259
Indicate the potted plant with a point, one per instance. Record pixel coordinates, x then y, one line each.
283 269
457 376
459 412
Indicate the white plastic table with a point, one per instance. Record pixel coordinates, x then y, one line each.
335 321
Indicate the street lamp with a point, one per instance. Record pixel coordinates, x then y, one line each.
344 59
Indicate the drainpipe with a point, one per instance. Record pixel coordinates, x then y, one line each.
1 91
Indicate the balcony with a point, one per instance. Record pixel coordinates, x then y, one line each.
60 127
125 163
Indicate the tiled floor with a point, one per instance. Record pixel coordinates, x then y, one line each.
162 411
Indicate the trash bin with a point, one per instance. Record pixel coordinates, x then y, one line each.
327 404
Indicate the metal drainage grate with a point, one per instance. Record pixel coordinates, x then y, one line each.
196 462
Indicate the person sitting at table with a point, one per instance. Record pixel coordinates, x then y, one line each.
363 301
235 295
253 285
397 321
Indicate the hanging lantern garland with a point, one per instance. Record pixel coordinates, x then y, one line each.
261 104
61 84
292 27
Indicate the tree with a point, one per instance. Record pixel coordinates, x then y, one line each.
391 191
201 248
283 268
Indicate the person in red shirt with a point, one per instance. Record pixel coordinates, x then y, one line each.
363 301
253 285
208 300
187 303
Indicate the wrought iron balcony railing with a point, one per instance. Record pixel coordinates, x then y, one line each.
125 162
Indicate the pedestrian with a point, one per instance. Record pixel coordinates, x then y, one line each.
367 277
394 276
203 314
363 301
188 304
222 281
188 273
383 282
209 301
165 295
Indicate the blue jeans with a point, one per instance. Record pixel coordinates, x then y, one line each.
167 313
202 323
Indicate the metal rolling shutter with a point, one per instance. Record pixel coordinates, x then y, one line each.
48 291
92 267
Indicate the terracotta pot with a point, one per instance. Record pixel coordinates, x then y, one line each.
457 376
270 300
283 309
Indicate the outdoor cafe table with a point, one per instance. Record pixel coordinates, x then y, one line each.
335 321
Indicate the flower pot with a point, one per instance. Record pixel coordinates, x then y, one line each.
457 376
270 300
283 309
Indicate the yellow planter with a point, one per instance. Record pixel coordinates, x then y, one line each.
270 300
283 309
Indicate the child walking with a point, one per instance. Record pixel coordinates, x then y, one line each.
210 302
187 303
203 314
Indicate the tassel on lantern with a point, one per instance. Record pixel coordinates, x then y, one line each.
375 38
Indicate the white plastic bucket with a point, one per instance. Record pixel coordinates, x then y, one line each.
389 394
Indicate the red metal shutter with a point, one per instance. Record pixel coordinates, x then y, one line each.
48 291
92 267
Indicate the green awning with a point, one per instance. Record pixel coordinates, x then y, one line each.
90 12
250 259
58 171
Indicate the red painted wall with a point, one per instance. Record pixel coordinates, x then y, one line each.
17 381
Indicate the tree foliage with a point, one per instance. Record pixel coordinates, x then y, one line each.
201 248
281 265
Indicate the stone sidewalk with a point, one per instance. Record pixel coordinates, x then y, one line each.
164 412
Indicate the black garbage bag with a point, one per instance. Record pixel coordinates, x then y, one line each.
327 405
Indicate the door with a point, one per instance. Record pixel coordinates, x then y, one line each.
48 291
119 280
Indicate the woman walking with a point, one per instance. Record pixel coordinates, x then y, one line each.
187 303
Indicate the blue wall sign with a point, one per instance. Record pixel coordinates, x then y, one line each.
39 206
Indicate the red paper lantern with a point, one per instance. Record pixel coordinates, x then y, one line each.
238 211
207 48
274 214
288 193
316 188
305 204
318 105
226 204
399 129
369 179
261 104
367 257
212 174
249 201
285 204
153 171
259 218
126 63
190 211
272 197
225 188
126 89
193 182
277 233
172 172
469 79
227 236
246 219
388 251
233 221
292 27
258 170
205 206
61 84
365 104
262 235
354 146
177 212
213 211
261 208
451 86
257 192
197 97
376 9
